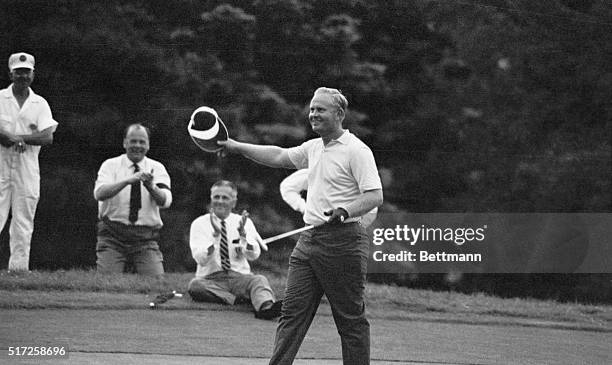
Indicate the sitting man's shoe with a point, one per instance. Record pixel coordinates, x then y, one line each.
269 310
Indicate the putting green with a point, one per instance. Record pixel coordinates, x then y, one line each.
182 336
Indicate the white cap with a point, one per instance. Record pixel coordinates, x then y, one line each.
207 139
21 60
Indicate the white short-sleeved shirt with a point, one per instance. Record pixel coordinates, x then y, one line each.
34 116
291 188
201 238
338 173
117 208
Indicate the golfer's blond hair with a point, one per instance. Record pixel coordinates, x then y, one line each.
338 99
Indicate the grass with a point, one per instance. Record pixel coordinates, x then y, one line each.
452 306
91 281
75 289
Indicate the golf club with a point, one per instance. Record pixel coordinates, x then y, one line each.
286 234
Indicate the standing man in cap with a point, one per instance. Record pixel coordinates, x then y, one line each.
26 124
330 259
130 191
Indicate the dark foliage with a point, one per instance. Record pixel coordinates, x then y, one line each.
469 106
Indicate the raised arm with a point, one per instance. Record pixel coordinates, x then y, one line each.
268 155
202 238
106 187
107 191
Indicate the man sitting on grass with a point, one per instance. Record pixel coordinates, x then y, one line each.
222 243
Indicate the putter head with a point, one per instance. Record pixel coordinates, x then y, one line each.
206 128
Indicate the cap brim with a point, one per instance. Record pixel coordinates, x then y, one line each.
207 139
22 65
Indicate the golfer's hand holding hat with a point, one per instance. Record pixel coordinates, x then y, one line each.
228 145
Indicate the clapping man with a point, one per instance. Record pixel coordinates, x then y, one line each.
222 244
130 190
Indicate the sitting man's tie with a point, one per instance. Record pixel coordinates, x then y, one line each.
225 261
135 201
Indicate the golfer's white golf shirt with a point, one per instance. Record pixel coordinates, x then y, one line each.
338 174
292 186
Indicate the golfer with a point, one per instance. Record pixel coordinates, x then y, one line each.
26 124
331 258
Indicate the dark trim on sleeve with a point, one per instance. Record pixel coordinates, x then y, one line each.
162 186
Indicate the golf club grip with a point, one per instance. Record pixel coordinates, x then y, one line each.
286 234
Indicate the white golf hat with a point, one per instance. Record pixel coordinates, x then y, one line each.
206 128
21 60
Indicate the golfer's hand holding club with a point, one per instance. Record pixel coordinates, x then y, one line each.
336 216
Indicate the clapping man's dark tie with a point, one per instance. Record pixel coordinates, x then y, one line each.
225 261
135 202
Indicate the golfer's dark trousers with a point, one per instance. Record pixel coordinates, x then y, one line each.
330 260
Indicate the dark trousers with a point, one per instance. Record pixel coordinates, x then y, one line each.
227 287
118 243
330 260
